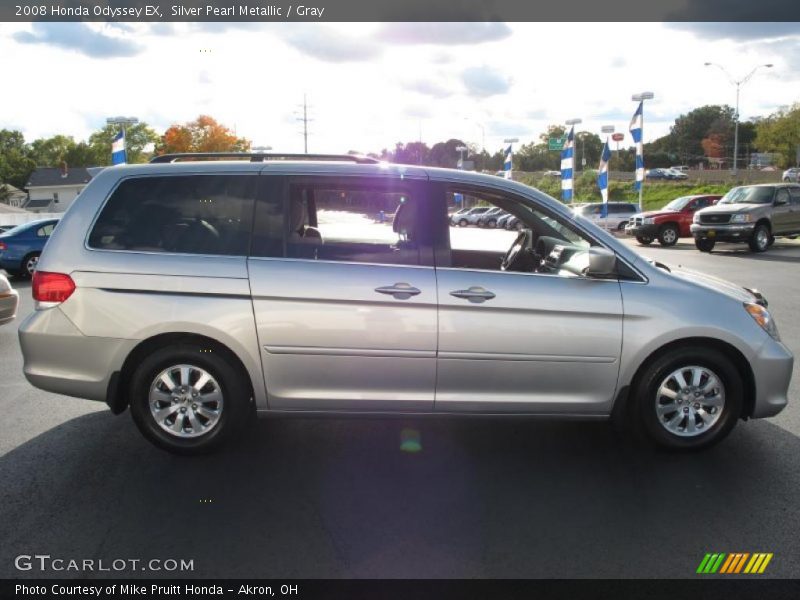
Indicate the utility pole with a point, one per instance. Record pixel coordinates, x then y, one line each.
305 120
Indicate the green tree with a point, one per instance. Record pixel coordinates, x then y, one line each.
49 152
780 133
16 165
137 138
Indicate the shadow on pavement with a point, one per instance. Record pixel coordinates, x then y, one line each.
339 498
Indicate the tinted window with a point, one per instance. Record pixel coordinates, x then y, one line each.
795 194
46 231
197 214
368 221
782 197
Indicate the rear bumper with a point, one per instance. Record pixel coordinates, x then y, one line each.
723 233
59 358
772 369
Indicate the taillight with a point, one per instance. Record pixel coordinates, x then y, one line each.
3 246
51 287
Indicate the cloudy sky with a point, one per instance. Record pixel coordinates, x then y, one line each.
370 85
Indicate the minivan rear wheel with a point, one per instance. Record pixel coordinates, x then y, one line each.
188 399
688 398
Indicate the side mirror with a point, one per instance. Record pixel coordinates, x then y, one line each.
602 262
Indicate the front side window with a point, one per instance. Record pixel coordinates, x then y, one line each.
782 197
194 214
46 231
543 237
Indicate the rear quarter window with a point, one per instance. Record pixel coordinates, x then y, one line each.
196 214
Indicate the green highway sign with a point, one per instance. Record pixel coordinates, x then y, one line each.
556 143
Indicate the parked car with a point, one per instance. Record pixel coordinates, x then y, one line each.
552 173
753 214
454 216
9 300
200 293
4 228
656 174
514 223
681 168
503 220
670 223
490 218
21 246
676 174
470 217
792 174
614 219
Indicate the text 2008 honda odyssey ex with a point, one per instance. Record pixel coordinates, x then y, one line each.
199 292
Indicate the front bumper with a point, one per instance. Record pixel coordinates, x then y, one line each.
723 233
772 370
644 230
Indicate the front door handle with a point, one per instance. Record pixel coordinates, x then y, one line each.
474 294
401 291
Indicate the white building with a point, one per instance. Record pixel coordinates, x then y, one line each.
52 189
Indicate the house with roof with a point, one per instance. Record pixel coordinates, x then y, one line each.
12 196
52 189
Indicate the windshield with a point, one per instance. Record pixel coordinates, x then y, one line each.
748 195
678 203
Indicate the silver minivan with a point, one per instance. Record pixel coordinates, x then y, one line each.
201 292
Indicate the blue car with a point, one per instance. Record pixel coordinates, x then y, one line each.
21 246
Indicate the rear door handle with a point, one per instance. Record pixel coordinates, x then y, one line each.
401 291
475 294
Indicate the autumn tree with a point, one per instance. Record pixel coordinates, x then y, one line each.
714 145
204 134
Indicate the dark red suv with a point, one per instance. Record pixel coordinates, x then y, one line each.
669 223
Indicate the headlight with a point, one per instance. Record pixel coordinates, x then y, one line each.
648 221
742 218
762 317
696 218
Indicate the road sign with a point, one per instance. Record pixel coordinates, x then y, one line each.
556 143
618 137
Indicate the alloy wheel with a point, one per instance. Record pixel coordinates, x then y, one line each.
186 401
30 265
689 401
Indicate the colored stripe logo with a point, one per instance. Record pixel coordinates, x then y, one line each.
734 563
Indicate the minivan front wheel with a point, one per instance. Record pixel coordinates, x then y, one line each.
187 399
689 398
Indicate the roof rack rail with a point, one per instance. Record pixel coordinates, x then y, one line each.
261 157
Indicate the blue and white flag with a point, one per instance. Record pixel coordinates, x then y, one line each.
567 164
507 163
636 132
118 149
602 176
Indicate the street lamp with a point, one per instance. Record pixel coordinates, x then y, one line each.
123 121
738 85
483 132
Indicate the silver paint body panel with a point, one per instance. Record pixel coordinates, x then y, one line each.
315 336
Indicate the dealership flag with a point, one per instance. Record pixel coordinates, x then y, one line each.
567 162
602 176
636 132
118 149
507 163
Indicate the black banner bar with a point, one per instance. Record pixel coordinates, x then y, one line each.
399 10
707 588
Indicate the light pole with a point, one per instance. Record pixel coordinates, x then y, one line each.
641 98
738 83
483 132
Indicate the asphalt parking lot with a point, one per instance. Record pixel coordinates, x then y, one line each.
340 498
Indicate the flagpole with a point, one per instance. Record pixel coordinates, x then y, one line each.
607 129
641 98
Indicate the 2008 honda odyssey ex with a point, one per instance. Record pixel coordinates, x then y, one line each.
200 292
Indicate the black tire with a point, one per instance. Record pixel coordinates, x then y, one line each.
491 223
668 235
704 244
645 398
236 407
771 241
25 269
644 241
463 223
621 226
759 241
